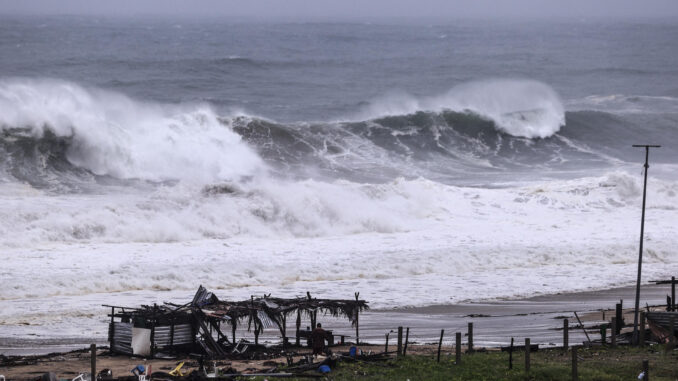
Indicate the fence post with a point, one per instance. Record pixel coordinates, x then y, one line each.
440 343
646 370
470 337
93 361
619 318
575 373
566 334
386 346
613 333
673 293
527 354
400 341
457 347
511 355
407 338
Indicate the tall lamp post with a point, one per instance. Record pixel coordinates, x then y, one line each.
642 232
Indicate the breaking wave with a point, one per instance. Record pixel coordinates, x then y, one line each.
521 108
57 134
52 126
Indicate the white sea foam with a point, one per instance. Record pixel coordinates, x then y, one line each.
411 242
522 108
124 138
623 103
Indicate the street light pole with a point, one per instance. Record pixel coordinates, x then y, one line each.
642 232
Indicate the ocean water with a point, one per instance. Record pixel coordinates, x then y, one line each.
417 164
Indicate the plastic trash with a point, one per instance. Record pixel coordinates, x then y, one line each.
641 376
139 369
352 351
324 369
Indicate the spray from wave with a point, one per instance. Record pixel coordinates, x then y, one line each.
109 134
521 108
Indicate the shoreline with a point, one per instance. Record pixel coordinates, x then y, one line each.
495 322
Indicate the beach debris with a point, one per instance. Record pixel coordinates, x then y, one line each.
197 327
177 371
663 326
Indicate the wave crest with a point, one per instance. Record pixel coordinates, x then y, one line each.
110 134
521 108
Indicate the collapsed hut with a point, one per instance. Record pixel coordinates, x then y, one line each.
203 324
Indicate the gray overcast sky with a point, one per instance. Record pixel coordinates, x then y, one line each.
347 9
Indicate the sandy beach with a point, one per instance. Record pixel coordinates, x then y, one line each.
495 323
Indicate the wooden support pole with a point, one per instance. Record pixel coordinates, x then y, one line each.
93 361
566 334
440 343
527 354
673 293
400 341
575 372
297 342
457 347
511 355
470 337
619 319
233 326
357 322
111 331
386 345
641 336
646 370
155 307
613 335
407 339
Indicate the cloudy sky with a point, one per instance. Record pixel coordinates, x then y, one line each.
359 9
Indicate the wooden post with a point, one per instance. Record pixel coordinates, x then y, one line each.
457 348
511 355
619 319
575 372
93 361
527 354
613 335
641 336
233 326
672 326
566 334
112 330
646 370
400 341
407 338
470 337
440 343
386 345
673 293
153 331
357 315
343 339
298 326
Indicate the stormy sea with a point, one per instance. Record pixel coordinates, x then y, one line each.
418 164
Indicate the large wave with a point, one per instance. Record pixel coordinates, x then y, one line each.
57 133
53 124
522 108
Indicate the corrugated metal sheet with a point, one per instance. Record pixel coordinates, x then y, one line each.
663 318
122 337
183 334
